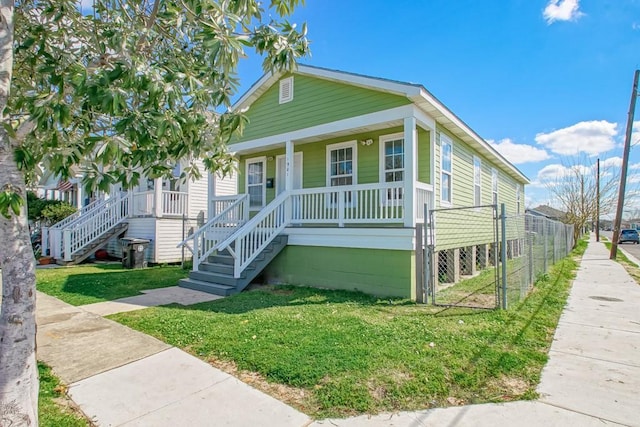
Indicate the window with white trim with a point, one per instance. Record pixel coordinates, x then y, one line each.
392 163
286 90
477 181
518 196
494 186
341 166
446 169
256 183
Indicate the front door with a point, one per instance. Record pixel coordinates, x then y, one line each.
281 173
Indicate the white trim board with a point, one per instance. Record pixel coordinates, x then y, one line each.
402 239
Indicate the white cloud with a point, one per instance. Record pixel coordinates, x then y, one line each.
635 135
519 153
562 10
611 162
554 172
593 137
635 26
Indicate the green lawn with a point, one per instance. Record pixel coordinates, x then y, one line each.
52 408
86 284
336 353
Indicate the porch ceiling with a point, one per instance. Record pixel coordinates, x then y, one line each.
325 136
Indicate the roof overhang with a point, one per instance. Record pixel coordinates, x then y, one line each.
420 96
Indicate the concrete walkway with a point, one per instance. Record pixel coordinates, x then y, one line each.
122 377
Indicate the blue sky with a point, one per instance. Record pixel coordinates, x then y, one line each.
547 82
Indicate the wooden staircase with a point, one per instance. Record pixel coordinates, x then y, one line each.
215 276
83 253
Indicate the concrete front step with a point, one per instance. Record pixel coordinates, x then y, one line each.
211 288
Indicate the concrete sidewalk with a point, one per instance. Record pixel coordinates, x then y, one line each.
122 377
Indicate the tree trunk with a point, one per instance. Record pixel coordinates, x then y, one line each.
18 370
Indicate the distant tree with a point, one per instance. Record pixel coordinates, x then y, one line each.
123 89
574 191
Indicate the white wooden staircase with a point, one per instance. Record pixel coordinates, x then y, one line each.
230 250
78 236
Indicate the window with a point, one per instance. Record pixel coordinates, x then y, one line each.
477 181
256 183
392 170
494 186
341 166
518 195
286 90
446 169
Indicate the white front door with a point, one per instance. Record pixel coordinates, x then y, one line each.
281 174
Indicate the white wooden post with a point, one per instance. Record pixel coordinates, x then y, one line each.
211 192
44 244
410 168
196 253
130 203
66 238
79 196
341 205
157 197
288 184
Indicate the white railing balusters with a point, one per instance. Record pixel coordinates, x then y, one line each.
207 238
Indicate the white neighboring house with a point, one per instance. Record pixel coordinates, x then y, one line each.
163 211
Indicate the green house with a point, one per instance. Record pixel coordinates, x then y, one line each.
335 171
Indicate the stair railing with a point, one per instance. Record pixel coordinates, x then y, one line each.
52 236
217 229
252 238
90 227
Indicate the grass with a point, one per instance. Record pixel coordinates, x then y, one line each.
53 405
336 353
86 284
632 268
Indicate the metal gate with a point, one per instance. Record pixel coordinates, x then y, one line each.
461 257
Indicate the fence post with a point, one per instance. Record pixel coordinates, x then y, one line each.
419 257
341 206
531 260
546 247
503 253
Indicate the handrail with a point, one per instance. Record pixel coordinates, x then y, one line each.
207 238
257 233
93 205
90 227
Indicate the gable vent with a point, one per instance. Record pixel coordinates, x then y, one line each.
286 90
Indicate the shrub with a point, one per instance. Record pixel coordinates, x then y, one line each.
54 213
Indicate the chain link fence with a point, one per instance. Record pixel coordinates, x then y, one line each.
476 257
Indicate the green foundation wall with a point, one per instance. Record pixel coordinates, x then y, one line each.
373 271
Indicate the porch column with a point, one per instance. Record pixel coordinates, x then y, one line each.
79 196
211 192
410 169
157 197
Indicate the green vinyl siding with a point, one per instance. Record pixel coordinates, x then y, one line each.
462 178
373 271
424 156
314 169
315 101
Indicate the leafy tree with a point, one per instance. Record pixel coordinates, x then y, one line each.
124 89
56 212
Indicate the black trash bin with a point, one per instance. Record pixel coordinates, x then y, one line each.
133 252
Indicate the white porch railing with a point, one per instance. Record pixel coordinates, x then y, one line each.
220 203
142 203
52 236
174 202
206 238
250 240
363 204
356 204
91 226
424 194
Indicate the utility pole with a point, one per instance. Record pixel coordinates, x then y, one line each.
625 163
598 201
